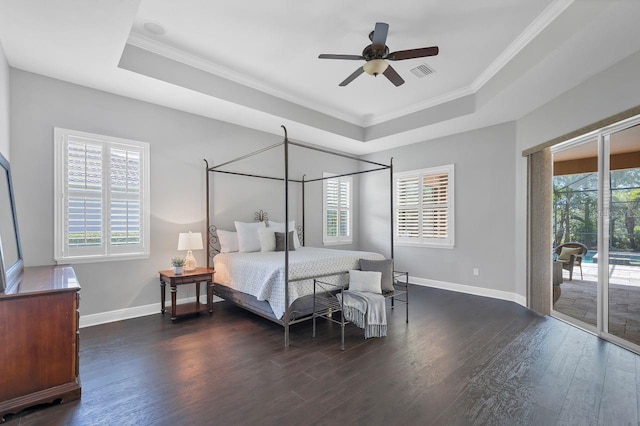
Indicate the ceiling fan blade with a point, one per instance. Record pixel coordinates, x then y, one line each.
393 76
352 77
380 36
330 56
413 53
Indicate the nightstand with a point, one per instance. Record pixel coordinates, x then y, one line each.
196 277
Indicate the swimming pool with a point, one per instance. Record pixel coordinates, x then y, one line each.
615 258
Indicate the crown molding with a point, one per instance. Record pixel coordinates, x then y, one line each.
154 46
531 32
429 103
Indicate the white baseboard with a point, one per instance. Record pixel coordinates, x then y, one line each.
129 313
477 291
141 311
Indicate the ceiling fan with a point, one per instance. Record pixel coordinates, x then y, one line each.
377 54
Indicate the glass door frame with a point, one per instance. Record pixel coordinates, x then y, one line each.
603 136
572 143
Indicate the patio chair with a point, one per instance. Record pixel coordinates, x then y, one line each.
572 256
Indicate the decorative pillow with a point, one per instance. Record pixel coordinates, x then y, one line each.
384 266
365 281
248 238
566 252
279 227
280 241
228 241
267 239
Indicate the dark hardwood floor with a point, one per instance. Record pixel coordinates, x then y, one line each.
461 360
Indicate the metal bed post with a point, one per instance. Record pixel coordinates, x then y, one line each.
393 224
391 202
286 321
286 238
393 300
206 171
303 228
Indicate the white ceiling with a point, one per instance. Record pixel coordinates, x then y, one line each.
276 45
255 64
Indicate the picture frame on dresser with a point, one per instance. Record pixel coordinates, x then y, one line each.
11 262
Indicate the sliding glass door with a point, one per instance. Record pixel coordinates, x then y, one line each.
622 197
596 233
575 232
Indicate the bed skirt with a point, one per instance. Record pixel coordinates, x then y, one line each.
300 308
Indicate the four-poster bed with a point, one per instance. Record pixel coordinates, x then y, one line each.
306 261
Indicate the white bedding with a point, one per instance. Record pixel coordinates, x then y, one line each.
261 274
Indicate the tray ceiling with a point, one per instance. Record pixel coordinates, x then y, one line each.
256 63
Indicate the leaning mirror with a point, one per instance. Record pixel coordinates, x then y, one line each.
10 251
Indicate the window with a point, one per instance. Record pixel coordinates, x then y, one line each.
424 207
101 197
337 220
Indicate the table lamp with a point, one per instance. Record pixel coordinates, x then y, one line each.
190 241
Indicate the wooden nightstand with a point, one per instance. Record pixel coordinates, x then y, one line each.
195 277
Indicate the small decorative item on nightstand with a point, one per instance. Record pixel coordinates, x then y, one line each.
190 241
178 264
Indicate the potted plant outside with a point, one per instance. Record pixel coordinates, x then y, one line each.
178 264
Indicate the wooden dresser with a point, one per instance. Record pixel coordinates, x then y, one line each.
39 339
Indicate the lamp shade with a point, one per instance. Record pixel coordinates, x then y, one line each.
190 241
375 66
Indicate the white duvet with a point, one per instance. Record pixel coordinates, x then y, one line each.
261 274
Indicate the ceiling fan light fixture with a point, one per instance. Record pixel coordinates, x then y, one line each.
375 66
377 53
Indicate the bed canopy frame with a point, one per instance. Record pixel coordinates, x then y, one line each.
218 168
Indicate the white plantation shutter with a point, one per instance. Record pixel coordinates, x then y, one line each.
126 197
345 204
408 207
84 218
337 210
331 208
424 207
101 197
435 220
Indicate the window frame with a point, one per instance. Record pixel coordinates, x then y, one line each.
337 240
422 241
107 251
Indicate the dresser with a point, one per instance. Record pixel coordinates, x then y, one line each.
39 339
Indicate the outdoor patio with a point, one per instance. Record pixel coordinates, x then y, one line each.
578 298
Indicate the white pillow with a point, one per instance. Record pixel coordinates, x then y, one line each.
228 241
279 227
248 238
267 239
365 281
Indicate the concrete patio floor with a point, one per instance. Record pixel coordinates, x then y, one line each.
578 298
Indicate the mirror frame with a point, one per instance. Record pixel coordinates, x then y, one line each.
9 274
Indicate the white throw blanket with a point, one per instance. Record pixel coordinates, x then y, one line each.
366 310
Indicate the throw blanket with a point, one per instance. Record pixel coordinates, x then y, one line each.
366 310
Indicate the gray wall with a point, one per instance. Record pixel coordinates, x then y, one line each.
484 208
179 141
4 105
605 94
490 231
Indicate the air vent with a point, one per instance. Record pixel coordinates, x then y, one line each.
422 70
